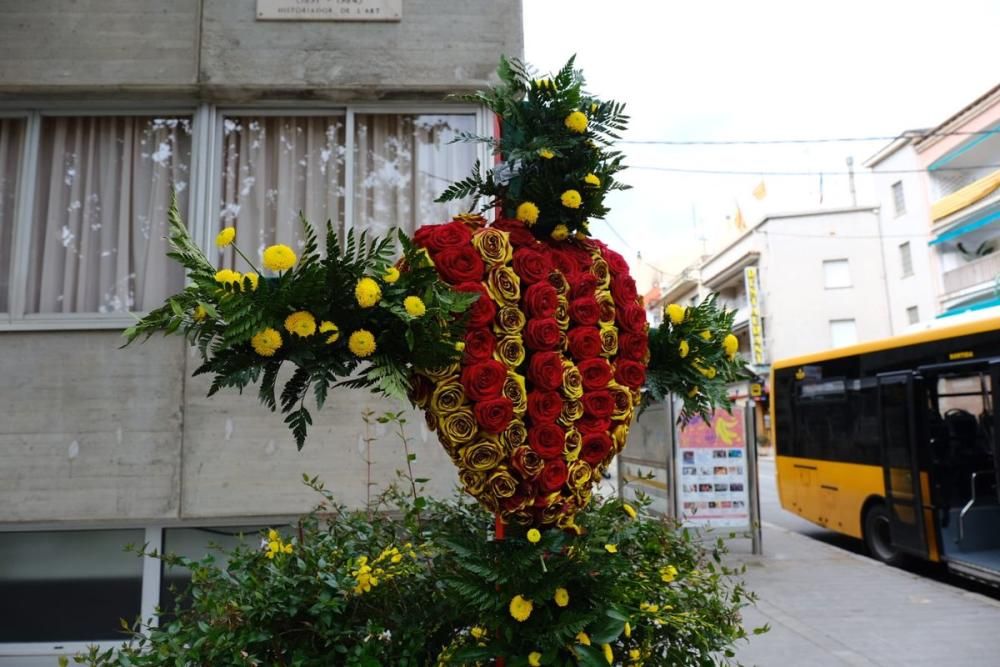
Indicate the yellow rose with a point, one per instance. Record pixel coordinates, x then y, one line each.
459 427
580 474
571 199
502 484
504 286
447 397
279 258
482 456
510 320
514 389
607 305
619 435
529 460
600 270
623 401
515 435
572 410
676 313
527 213
572 384
562 311
472 482
558 280
576 122
573 443
493 246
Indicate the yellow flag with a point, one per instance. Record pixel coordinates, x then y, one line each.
760 191
738 220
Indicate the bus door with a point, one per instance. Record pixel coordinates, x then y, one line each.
900 462
995 435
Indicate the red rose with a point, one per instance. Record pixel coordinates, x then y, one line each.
547 440
523 496
564 263
544 406
542 334
483 310
633 346
616 262
632 374
438 237
623 289
484 380
575 253
596 373
595 447
526 461
540 300
494 414
520 235
553 475
583 285
632 318
598 404
546 371
459 264
585 311
584 342
588 424
479 345
531 266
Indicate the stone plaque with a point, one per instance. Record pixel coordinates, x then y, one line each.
329 10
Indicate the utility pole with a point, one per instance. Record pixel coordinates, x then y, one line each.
850 178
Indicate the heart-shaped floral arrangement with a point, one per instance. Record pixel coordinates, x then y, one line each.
555 355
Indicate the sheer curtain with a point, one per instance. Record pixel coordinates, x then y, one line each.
402 163
273 168
11 138
99 233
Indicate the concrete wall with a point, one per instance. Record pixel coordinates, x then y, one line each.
217 49
91 433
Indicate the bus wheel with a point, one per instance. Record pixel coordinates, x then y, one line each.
878 539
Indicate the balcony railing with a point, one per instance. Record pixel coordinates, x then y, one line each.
979 271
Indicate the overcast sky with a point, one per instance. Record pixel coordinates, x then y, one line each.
759 70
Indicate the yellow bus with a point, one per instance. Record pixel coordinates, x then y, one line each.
895 442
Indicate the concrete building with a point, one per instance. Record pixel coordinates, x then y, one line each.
105 106
821 282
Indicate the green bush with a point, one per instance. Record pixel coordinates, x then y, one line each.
413 581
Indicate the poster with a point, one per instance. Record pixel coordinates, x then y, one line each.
712 472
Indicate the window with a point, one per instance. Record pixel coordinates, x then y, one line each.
69 585
906 259
102 189
843 332
11 141
912 315
898 201
836 273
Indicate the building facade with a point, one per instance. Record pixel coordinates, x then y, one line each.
106 109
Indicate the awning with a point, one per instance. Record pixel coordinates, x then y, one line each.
966 196
966 228
989 303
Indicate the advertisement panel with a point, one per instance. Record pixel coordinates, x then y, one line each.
713 473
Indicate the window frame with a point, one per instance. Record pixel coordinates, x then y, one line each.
898 206
206 179
847 263
853 321
906 259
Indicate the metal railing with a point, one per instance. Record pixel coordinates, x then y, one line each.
978 271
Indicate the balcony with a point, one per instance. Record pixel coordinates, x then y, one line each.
966 196
977 272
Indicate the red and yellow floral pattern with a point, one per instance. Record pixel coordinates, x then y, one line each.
555 355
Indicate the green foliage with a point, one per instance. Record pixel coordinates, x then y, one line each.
701 374
533 114
221 319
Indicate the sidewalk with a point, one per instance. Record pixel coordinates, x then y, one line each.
829 607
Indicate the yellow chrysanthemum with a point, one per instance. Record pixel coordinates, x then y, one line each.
629 510
200 313
329 327
253 278
527 213
301 323
583 638
546 153
391 275
367 292
683 348
279 258
361 343
560 233
634 654
414 306
535 659
576 122
694 391
534 535
608 653
460 346
267 342
731 344
706 335
611 548
649 607
668 573
520 608
228 277
676 313
561 597
477 632
627 631
225 237
592 179
571 199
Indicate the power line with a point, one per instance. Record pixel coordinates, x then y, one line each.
813 140
736 172
629 246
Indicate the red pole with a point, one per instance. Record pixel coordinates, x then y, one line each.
499 534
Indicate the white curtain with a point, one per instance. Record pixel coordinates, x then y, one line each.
402 163
274 168
11 137
100 220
